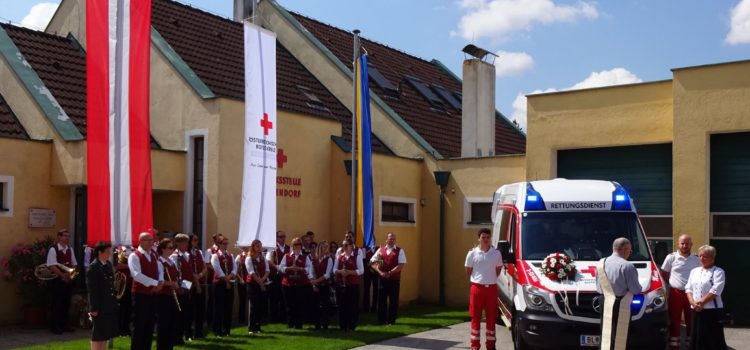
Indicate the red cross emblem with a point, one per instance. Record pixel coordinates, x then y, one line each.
266 124
591 271
280 158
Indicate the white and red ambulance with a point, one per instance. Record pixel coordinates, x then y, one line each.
581 219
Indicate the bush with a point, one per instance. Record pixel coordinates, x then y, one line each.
19 269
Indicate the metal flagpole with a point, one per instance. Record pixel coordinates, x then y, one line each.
354 133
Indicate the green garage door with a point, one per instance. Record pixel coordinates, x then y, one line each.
645 171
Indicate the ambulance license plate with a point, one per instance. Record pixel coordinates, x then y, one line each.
590 340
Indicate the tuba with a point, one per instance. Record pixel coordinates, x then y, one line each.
44 273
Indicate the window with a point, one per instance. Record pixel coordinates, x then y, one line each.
397 211
481 214
657 226
312 100
394 211
448 97
197 205
427 93
731 225
6 196
383 83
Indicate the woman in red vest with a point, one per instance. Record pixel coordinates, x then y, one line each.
198 292
297 273
225 272
167 301
322 267
256 280
347 270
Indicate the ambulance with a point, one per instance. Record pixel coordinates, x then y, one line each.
581 219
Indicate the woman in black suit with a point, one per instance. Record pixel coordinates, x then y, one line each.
102 301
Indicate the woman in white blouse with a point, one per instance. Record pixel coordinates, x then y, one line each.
703 289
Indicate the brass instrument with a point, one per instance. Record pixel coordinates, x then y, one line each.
43 272
375 265
174 292
121 284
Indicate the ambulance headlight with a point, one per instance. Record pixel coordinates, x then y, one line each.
536 299
658 301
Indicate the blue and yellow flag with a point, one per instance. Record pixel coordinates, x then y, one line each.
364 218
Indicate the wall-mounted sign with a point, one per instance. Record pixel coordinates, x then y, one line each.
42 218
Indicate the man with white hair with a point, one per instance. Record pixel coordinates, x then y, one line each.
617 280
677 267
148 279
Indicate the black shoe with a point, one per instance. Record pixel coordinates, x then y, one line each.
56 331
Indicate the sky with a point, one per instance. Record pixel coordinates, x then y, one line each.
543 45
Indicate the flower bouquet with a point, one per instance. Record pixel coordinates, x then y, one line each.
558 267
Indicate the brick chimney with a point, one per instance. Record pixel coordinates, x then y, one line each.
478 104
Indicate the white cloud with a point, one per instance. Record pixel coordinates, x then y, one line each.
615 76
740 24
39 15
512 63
498 19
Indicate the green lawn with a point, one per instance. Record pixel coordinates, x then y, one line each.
412 319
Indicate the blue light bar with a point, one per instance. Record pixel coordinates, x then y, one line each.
620 198
534 200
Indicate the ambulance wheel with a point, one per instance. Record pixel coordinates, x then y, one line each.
518 343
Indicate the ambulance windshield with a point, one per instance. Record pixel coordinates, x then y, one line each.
580 235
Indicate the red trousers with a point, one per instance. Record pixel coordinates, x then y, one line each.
483 297
678 306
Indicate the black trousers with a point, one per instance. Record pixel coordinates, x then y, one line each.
209 290
258 300
322 307
61 293
144 315
707 332
184 318
126 311
297 302
223 301
277 305
242 297
370 296
348 299
199 310
388 291
167 325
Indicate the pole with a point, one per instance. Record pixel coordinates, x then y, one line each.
255 7
353 209
441 285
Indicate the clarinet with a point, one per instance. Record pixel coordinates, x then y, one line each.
174 292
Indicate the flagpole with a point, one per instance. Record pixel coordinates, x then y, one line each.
355 56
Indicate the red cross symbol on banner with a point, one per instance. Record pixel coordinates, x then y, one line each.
266 124
280 158
591 271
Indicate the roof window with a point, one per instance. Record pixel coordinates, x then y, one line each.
427 93
448 97
383 83
312 99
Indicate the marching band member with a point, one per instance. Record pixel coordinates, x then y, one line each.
347 270
297 271
483 265
388 261
277 307
182 260
677 267
211 251
168 304
224 273
102 301
358 252
370 282
242 275
322 266
62 287
257 281
126 301
148 279
198 294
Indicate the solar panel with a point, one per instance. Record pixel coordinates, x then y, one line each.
423 90
448 97
383 83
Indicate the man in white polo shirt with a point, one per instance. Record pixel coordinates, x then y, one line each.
677 267
483 265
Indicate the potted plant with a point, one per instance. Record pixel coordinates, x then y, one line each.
19 269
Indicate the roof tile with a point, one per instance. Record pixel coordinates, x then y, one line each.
9 124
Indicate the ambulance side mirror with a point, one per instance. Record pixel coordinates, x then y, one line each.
504 248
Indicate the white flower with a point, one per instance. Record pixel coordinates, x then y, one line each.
553 261
563 263
561 275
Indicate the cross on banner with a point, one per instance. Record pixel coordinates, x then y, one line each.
280 158
266 124
591 271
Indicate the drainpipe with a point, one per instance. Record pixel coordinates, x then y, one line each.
441 179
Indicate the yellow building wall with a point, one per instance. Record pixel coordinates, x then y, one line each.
707 100
29 164
603 117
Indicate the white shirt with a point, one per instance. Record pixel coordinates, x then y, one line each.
483 265
250 268
217 264
168 262
135 269
360 251
388 250
271 252
52 256
308 265
703 281
360 266
679 268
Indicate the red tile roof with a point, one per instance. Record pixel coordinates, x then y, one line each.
9 124
213 47
441 129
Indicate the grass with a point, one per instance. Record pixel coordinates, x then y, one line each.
412 319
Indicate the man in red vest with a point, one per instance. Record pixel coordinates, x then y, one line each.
61 253
277 309
148 279
388 261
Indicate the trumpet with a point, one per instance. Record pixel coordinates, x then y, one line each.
43 272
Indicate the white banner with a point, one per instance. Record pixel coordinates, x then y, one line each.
258 210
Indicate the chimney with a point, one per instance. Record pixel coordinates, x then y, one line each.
478 103
242 9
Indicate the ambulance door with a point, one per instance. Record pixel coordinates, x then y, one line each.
505 229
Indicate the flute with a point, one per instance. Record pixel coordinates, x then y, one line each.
174 292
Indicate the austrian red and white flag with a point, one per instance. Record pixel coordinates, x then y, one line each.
118 37
258 206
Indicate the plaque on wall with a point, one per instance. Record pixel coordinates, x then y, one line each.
42 218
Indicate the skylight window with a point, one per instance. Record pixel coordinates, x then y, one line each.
448 97
312 99
383 83
427 93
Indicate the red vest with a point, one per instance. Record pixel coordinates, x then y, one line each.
390 261
242 269
278 255
186 267
319 266
170 274
148 268
225 261
260 269
196 262
295 278
64 257
347 264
